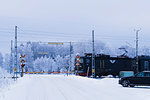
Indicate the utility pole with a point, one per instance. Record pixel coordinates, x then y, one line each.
11 60
137 64
15 53
93 55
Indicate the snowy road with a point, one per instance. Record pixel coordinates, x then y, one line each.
60 87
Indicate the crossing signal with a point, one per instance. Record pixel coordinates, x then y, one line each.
77 63
22 60
22 65
22 56
77 60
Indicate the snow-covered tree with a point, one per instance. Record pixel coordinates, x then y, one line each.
130 51
59 63
26 50
144 51
86 47
44 64
1 59
7 63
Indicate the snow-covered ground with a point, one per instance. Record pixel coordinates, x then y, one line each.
5 79
60 87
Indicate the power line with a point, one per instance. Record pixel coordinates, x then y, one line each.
6 30
34 34
69 35
60 33
64 36
42 33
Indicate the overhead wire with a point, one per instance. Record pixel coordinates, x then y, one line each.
59 33
33 32
51 35
72 37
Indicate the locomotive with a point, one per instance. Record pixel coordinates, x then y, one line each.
107 65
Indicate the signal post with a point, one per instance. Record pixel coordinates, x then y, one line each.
22 63
77 63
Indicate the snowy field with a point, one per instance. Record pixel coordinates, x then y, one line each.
60 87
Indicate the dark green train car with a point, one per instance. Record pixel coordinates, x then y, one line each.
105 65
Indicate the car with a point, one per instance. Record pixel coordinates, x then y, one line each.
139 79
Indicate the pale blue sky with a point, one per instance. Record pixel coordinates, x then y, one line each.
73 20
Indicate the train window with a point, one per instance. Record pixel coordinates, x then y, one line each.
87 60
146 65
147 74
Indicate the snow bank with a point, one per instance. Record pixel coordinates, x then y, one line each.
5 79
